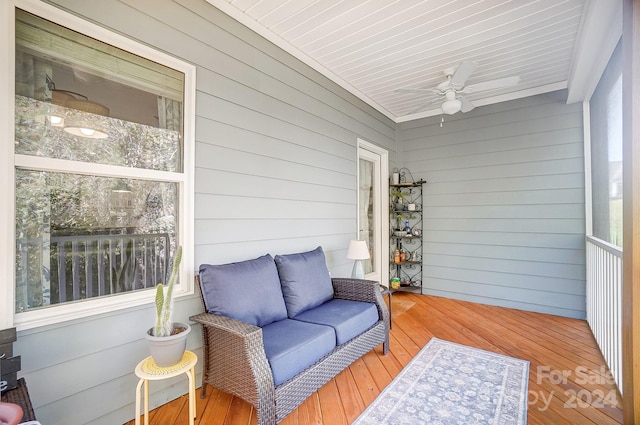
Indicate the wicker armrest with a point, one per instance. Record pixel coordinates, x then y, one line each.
361 290
234 358
356 289
226 324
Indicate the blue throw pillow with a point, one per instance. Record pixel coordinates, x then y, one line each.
248 290
305 280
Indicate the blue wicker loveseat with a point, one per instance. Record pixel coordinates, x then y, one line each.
277 329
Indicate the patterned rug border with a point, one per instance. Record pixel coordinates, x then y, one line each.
510 409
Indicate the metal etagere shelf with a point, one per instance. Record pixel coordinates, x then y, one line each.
405 240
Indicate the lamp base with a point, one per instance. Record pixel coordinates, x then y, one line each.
358 270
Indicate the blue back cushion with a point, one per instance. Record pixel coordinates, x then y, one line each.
305 280
248 290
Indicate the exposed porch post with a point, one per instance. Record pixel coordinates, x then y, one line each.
631 208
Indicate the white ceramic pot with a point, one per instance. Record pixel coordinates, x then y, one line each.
395 178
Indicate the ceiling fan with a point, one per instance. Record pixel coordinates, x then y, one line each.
451 92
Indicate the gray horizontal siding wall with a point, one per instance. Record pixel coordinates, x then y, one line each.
504 203
275 173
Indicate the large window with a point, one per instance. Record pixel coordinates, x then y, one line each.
102 164
606 153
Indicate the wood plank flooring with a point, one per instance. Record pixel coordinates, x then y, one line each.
568 379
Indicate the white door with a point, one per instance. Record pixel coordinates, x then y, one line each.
373 206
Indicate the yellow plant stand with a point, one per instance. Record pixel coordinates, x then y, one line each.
147 370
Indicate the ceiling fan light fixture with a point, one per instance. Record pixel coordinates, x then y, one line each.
56 120
452 106
86 129
86 124
85 105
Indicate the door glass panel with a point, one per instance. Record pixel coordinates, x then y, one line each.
366 214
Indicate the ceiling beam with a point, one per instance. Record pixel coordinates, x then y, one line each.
600 30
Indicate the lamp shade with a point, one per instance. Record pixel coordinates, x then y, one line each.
358 250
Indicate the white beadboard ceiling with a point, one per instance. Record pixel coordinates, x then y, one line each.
374 47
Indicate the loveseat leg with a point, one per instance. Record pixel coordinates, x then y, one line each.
203 390
385 347
265 419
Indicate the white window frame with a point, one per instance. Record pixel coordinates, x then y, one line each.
9 161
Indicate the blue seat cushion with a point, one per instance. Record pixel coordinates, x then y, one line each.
305 280
248 290
291 346
348 318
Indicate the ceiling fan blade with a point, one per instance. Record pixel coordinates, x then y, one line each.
422 106
492 84
466 104
463 71
420 91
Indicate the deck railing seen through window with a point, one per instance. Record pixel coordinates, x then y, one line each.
87 266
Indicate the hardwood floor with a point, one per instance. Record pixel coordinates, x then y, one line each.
568 379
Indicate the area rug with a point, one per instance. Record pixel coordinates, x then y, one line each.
448 383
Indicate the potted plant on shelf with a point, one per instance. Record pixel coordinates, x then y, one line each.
168 339
400 198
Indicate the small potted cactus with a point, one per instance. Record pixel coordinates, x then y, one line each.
168 339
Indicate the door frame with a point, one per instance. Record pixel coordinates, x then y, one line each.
383 192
